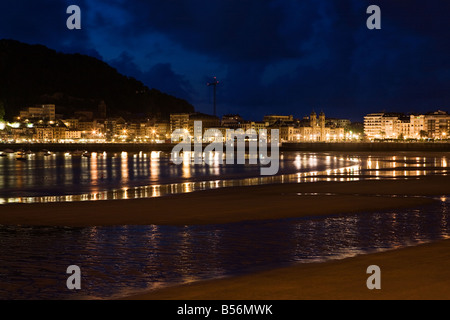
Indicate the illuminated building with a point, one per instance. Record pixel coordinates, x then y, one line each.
312 129
433 125
44 112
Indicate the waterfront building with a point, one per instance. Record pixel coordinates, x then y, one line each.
86 126
432 125
50 132
208 122
437 124
417 127
160 131
115 128
310 129
72 135
338 123
72 124
179 121
188 122
373 126
43 134
41 112
232 121
272 119
251 125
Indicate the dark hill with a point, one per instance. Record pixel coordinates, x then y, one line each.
34 74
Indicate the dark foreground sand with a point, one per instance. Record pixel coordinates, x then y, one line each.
421 272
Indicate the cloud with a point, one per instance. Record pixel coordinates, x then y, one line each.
285 56
160 76
44 22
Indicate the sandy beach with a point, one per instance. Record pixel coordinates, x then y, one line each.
413 273
409 273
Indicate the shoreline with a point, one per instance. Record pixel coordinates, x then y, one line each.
234 204
409 273
304 146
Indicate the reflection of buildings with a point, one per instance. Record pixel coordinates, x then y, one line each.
433 125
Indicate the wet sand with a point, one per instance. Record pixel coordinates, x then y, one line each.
231 204
421 272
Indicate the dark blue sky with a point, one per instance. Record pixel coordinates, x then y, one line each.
271 56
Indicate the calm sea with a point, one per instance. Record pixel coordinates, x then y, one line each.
63 177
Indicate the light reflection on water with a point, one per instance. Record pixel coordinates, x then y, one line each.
128 259
62 178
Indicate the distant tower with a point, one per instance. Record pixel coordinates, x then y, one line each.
214 85
313 120
322 126
322 120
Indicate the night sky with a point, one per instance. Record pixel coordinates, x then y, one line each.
271 56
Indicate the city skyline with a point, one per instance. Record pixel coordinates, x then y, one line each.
42 123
